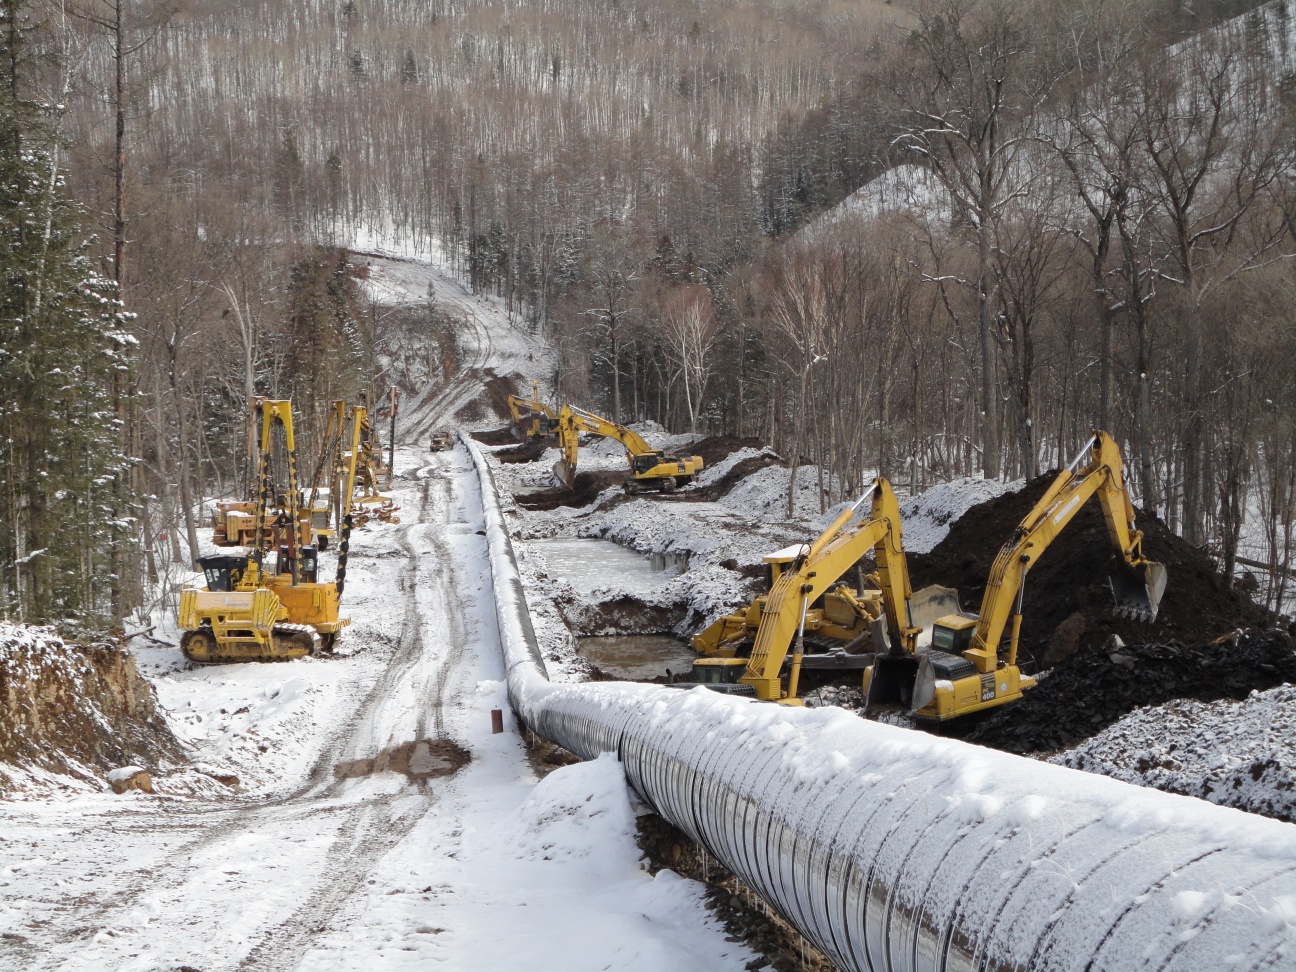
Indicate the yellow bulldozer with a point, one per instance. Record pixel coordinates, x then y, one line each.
761 650
532 418
972 663
248 612
651 470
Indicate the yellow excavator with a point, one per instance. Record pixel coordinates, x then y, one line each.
532 418
969 668
651 470
248 612
806 595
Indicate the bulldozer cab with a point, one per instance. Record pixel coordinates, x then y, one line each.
223 572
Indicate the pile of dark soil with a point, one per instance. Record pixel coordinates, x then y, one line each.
496 437
588 486
713 491
498 389
1068 606
528 451
715 447
1085 695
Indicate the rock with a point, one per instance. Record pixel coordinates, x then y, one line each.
1064 642
130 778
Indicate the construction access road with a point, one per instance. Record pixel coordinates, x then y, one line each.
377 822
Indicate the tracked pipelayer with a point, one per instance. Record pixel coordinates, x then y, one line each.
247 613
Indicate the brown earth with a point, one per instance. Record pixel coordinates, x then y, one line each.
528 451
588 486
715 447
496 437
498 389
1085 695
68 707
1068 604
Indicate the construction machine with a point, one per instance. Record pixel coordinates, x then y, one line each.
532 418
807 594
969 668
234 522
248 612
441 441
347 460
651 470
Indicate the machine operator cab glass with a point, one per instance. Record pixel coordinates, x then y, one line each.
647 461
223 572
953 633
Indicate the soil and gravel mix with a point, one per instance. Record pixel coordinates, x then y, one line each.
588 486
76 709
715 448
497 437
1068 606
1090 692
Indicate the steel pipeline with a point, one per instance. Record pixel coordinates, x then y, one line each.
896 850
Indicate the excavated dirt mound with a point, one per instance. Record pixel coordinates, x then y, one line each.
714 448
1067 608
1085 695
76 710
496 437
498 389
528 451
588 486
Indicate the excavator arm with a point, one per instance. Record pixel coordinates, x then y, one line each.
1137 587
530 415
965 672
821 565
648 466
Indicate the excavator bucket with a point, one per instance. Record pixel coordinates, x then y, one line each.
565 473
1138 590
892 682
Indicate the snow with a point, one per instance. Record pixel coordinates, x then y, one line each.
295 866
1237 754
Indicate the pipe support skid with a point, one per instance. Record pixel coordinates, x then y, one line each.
896 850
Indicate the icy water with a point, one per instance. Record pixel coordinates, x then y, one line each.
636 656
591 564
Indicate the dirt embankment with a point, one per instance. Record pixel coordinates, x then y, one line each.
73 709
1085 695
588 486
1067 609
496 437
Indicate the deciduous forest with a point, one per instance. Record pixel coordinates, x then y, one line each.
927 238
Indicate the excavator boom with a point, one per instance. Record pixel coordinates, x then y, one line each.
816 568
649 468
966 669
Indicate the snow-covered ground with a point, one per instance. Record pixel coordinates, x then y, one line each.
329 852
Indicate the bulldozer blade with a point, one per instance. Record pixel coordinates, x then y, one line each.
932 603
1138 590
893 680
564 473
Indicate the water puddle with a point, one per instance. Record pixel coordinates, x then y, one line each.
591 564
636 657
419 759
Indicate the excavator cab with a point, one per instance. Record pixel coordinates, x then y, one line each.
223 572
720 675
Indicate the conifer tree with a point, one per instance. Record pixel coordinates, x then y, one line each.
62 340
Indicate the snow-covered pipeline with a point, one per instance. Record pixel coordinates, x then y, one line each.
897 850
